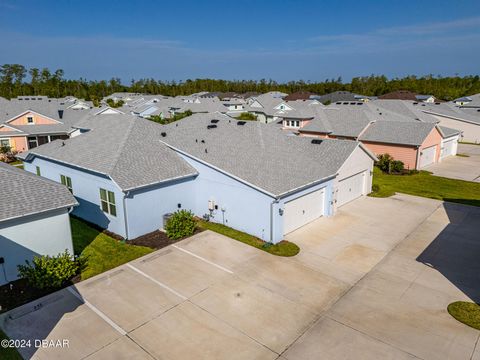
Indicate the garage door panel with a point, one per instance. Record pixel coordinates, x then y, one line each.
350 188
303 210
448 148
427 156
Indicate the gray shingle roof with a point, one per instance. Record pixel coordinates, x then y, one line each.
397 132
23 194
257 153
447 132
340 121
123 147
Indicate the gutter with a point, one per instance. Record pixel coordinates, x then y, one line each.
69 206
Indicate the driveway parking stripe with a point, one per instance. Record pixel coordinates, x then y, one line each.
98 312
203 259
157 282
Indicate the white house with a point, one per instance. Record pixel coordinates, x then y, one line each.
128 172
34 219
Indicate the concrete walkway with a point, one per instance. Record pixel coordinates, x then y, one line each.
371 282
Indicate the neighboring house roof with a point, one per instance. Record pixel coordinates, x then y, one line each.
452 111
340 96
398 132
24 194
448 132
399 95
402 110
256 153
299 95
125 148
341 121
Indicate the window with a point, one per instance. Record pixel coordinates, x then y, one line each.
38 170
67 181
32 142
30 119
107 201
5 143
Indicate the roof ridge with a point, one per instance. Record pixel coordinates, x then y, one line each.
121 147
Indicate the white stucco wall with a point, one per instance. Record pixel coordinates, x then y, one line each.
42 234
358 161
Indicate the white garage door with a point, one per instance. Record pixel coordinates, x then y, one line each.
303 210
350 188
427 156
448 148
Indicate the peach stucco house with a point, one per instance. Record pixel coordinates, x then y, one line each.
30 129
416 144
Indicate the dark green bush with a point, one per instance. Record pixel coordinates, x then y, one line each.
375 188
396 166
49 271
181 224
388 164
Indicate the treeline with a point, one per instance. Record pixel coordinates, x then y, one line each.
17 80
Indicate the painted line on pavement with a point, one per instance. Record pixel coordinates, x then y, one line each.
203 259
157 282
97 311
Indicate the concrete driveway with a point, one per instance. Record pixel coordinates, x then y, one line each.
371 282
457 167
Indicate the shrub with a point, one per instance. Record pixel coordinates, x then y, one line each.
247 116
375 188
49 271
181 224
387 164
396 166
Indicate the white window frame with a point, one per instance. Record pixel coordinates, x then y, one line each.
28 120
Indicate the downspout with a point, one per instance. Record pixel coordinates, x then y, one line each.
271 218
417 164
125 218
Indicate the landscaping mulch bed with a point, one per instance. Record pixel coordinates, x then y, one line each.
157 239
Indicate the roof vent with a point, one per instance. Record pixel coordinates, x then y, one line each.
359 103
415 103
163 134
317 141
214 121
203 141
211 126
241 122
63 143
437 103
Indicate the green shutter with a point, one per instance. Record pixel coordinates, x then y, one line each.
38 170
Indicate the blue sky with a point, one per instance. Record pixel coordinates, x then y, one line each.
242 39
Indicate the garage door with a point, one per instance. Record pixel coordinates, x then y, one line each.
303 210
448 148
350 188
427 156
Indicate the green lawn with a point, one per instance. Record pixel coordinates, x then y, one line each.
426 185
8 353
101 251
466 312
283 248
